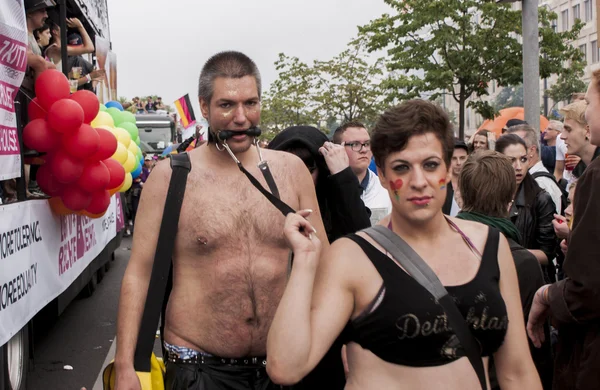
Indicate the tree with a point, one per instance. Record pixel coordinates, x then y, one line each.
460 46
511 96
568 83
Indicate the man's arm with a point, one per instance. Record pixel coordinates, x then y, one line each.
38 63
559 169
137 275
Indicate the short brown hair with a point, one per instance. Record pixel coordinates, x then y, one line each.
487 183
575 111
337 135
399 124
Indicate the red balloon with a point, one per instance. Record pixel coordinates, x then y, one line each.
35 110
117 172
90 104
75 198
95 177
65 168
106 147
82 143
37 135
65 116
99 203
47 182
50 87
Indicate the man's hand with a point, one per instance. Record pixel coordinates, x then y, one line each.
564 246
336 157
127 379
561 228
537 316
98 74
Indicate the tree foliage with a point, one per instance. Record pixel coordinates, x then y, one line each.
324 93
511 96
461 46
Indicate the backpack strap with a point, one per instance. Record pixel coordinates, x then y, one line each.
181 166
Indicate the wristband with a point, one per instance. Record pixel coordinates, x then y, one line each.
545 294
88 78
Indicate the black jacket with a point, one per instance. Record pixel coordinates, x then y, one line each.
534 222
341 207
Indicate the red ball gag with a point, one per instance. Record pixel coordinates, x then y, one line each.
90 104
75 198
82 143
50 87
65 168
99 203
35 110
37 135
47 182
95 177
106 147
65 116
117 172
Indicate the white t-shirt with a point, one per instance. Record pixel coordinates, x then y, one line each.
376 198
561 151
548 185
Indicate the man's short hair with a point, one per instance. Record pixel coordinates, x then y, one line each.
228 64
531 137
487 183
337 135
577 96
575 111
556 125
399 124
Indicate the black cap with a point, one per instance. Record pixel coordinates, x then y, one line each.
515 122
459 144
36 5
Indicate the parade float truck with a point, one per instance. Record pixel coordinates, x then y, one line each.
46 260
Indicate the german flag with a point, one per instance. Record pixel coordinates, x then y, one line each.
185 110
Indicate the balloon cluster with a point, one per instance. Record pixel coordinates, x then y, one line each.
91 150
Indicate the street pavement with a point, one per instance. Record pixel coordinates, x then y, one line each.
81 337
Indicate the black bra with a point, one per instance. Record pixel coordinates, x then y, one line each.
404 325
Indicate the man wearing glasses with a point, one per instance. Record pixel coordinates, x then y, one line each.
356 140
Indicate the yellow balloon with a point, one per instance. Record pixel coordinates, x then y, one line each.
127 183
133 148
131 162
123 136
103 119
121 154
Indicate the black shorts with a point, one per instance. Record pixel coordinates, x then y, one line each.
186 376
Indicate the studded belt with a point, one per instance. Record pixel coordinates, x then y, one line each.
215 360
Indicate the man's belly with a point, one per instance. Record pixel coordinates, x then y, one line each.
225 310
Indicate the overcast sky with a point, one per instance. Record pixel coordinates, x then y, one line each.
162 45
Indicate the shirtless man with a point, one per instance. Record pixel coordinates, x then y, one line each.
230 259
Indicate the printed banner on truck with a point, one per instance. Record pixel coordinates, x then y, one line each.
13 64
41 254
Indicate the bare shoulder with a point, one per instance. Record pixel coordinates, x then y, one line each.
281 157
476 231
344 258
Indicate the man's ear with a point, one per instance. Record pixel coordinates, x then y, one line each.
587 132
381 176
204 107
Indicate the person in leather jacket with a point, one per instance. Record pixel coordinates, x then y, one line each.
532 210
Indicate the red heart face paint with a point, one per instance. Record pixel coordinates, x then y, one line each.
442 184
395 186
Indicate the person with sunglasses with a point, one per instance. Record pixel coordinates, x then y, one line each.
532 210
356 140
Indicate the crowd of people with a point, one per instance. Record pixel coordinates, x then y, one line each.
511 241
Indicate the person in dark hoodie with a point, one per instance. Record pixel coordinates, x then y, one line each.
338 189
343 212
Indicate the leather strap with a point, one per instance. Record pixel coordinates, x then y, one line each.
181 166
281 205
416 267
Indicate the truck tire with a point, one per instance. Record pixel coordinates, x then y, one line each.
17 352
100 274
90 288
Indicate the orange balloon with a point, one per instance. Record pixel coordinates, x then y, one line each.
495 125
93 216
58 207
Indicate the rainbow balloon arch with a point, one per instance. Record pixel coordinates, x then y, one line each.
92 150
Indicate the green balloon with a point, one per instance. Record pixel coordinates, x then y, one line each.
137 140
116 114
131 129
128 117
102 107
139 155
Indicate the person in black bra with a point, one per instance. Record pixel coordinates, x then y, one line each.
399 336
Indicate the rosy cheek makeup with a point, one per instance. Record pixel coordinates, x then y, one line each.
395 186
442 184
